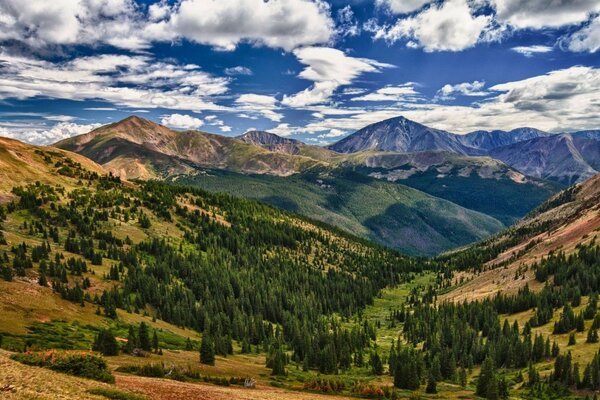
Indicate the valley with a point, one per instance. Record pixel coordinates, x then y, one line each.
178 283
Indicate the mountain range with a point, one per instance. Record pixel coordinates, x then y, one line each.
423 202
565 158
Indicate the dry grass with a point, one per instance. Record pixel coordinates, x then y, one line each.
40 383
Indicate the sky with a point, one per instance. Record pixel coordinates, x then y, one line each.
312 70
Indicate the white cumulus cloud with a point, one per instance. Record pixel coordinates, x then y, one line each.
329 69
449 26
538 14
181 121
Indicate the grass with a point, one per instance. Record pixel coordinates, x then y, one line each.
114 394
388 213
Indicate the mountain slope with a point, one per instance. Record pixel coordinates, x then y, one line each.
158 151
488 140
479 183
389 213
562 158
399 135
278 144
22 163
564 222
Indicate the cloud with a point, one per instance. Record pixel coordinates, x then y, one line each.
264 105
239 70
282 130
538 14
529 51
347 25
587 39
278 24
60 118
128 25
561 100
180 121
129 81
402 6
449 26
329 69
40 134
464 89
100 109
404 92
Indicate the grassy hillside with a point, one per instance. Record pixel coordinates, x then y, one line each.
22 163
301 308
158 151
388 213
561 224
477 183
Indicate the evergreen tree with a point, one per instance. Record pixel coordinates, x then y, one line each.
207 350
431 384
106 343
462 377
486 377
155 341
132 340
144 337
376 364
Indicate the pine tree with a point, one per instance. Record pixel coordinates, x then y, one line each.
155 341
486 376
592 336
572 339
462 377
106 343
132 341
431 384
376 364
144 337
207 350
42 281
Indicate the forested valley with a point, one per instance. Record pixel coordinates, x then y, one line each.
258 281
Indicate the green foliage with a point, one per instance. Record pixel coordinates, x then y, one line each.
207 350
106 343
114 394
79 364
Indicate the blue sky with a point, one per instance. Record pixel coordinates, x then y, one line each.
312 70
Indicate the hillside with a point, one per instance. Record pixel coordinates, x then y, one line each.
388 213
22 163
138 148
567 220
235 290
482 184
107 255
489 140
278 144
563 158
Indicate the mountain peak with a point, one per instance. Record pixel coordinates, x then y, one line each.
264 138
399 134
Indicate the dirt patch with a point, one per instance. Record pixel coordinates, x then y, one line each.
162 389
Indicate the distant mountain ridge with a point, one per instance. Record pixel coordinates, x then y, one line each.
565 158
489 140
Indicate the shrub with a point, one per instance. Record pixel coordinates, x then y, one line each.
115 394
80 364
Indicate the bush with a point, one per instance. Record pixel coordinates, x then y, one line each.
84 365
115 394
